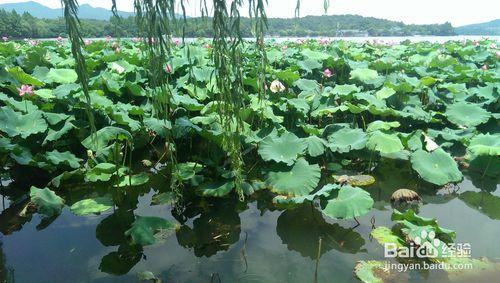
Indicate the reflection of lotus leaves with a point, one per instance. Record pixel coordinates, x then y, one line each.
301 228
483 202
111 230
213 231
121 261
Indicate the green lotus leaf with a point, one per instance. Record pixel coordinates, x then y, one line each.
351 202
186 171
384 235
315 146
309 65
485 144
104 136
467 114
410 218
434 246
216 189
101 172
381 125
163 198
147 229
364 75
384 143
307 85
371 271
300 179
76 175
133 180
46 201
324 192
55 157
284 149
15 124
62 76
274 55
436 167
58 132
385 93
160 127
288 76
315 55
345 140
91 206
18 74
345 89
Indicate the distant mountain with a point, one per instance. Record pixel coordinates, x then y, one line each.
489 28
37 10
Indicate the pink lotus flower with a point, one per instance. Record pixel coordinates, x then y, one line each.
25 89
5 38
168 69
323 41
327 73
484 67
207 46
476 43
59 39
87 41
493 46
285 47
136 39
108 37
177 42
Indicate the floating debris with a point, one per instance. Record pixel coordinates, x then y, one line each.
354 180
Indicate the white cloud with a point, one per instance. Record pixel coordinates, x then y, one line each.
458 12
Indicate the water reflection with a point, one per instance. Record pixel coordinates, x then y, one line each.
273 244
301 228
215 228
483 202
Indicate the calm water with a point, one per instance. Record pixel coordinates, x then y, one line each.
386 39
222 240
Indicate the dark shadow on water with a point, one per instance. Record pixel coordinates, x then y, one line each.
301 228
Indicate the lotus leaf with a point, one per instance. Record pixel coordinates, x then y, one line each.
46 201
351 202
91 206
300 179
467 114
436 167
284 149
345 140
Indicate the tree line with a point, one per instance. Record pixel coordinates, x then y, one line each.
15 25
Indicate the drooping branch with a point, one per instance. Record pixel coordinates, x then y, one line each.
70 9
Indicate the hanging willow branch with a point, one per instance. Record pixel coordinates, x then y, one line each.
70 8
258 15
326 5
227 43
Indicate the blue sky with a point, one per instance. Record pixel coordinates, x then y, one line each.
458 12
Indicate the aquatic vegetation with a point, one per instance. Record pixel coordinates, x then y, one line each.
321 121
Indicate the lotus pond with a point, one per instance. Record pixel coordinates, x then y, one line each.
339 128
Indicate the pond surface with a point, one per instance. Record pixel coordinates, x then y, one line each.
223 240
